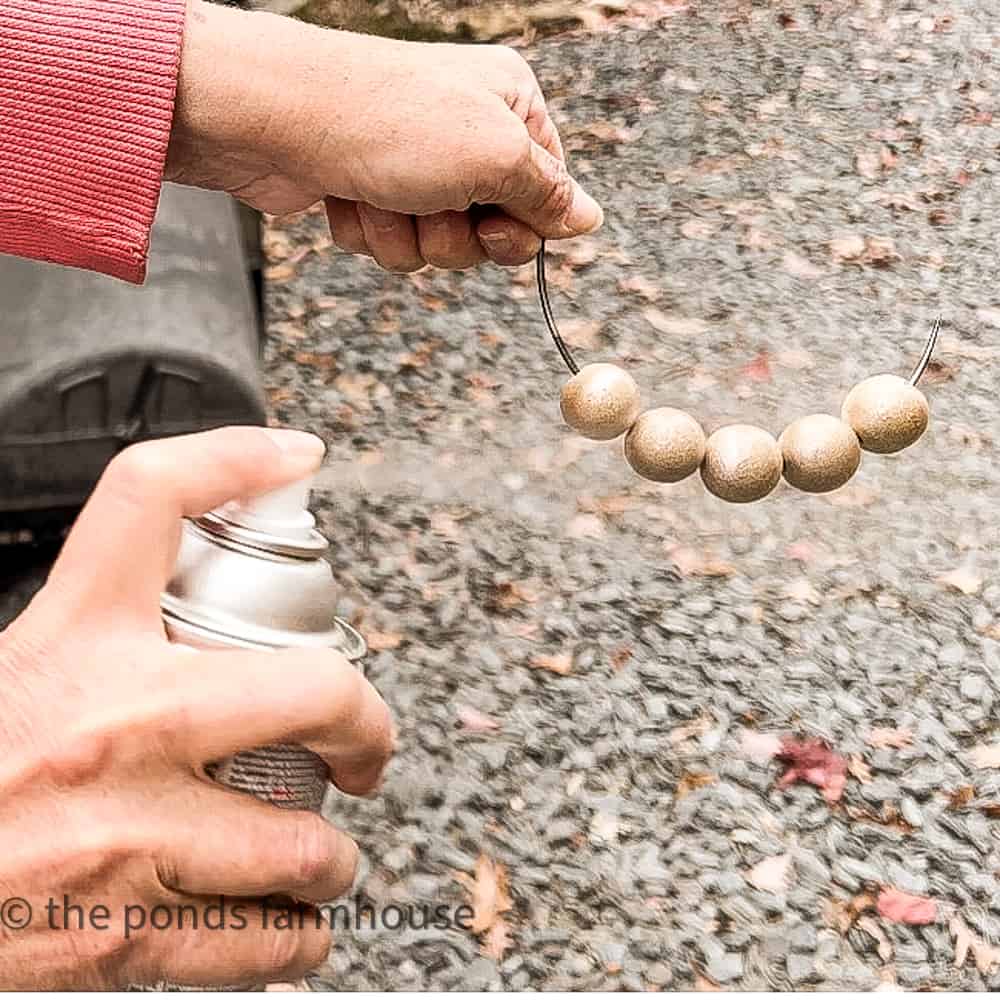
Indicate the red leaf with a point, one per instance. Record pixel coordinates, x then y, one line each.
814 762
474 721
904 908
758 370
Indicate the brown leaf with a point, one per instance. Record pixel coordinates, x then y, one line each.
906 908
474 721
560 663
380 641
883 739
689 730
489 890
959 798
702 984
844 913
812 761
512 594
689 782
620 657
962 579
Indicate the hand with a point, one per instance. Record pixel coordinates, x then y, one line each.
106 727
405 140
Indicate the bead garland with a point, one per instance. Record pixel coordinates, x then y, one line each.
741 463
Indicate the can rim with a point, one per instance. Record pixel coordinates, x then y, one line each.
219 527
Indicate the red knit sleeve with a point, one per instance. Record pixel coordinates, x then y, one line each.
86 100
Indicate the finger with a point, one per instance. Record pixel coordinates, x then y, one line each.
539 191
448 239
541 128
507 241
392 238
252 849
122 549
345 226
233 943
221 702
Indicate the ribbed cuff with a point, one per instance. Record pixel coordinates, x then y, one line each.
86 102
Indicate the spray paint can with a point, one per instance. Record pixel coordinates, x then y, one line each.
251 575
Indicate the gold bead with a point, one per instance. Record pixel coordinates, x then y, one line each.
600 402
887 413
821 453
665 445
742 463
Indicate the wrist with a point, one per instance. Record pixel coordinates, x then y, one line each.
231 64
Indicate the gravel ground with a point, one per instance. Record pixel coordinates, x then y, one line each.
793 192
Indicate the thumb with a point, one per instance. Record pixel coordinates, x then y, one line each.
544 196
122 548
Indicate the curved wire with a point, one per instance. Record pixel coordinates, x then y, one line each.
550 320
567 356
925 358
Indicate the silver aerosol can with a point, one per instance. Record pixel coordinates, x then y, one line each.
251 575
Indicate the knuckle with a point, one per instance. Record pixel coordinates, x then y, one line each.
512 62
559 197
314 850
137 471
79 759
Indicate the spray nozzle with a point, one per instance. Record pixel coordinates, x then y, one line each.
283 512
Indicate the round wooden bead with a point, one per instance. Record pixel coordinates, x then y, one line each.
600 402
665 445
821 453
741 464
887 413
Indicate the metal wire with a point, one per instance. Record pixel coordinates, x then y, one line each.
925 358
550 320
567 356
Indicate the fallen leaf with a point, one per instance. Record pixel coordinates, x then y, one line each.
760 746
812 761
674 326
959 798
474 721
620 657
697 229
883 739
986 755
497 941
771 874
694 562
759 369
799 267
906 908
689 782
641 286
962 579
689 730
871 927
802 590
380 641
702 984
858 769
489 890
844 913
847 248
512 594
560 663
985 955
582 333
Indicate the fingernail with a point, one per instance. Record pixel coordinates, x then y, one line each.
298 445
498 241
585 215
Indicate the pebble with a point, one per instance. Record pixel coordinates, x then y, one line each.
801 967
